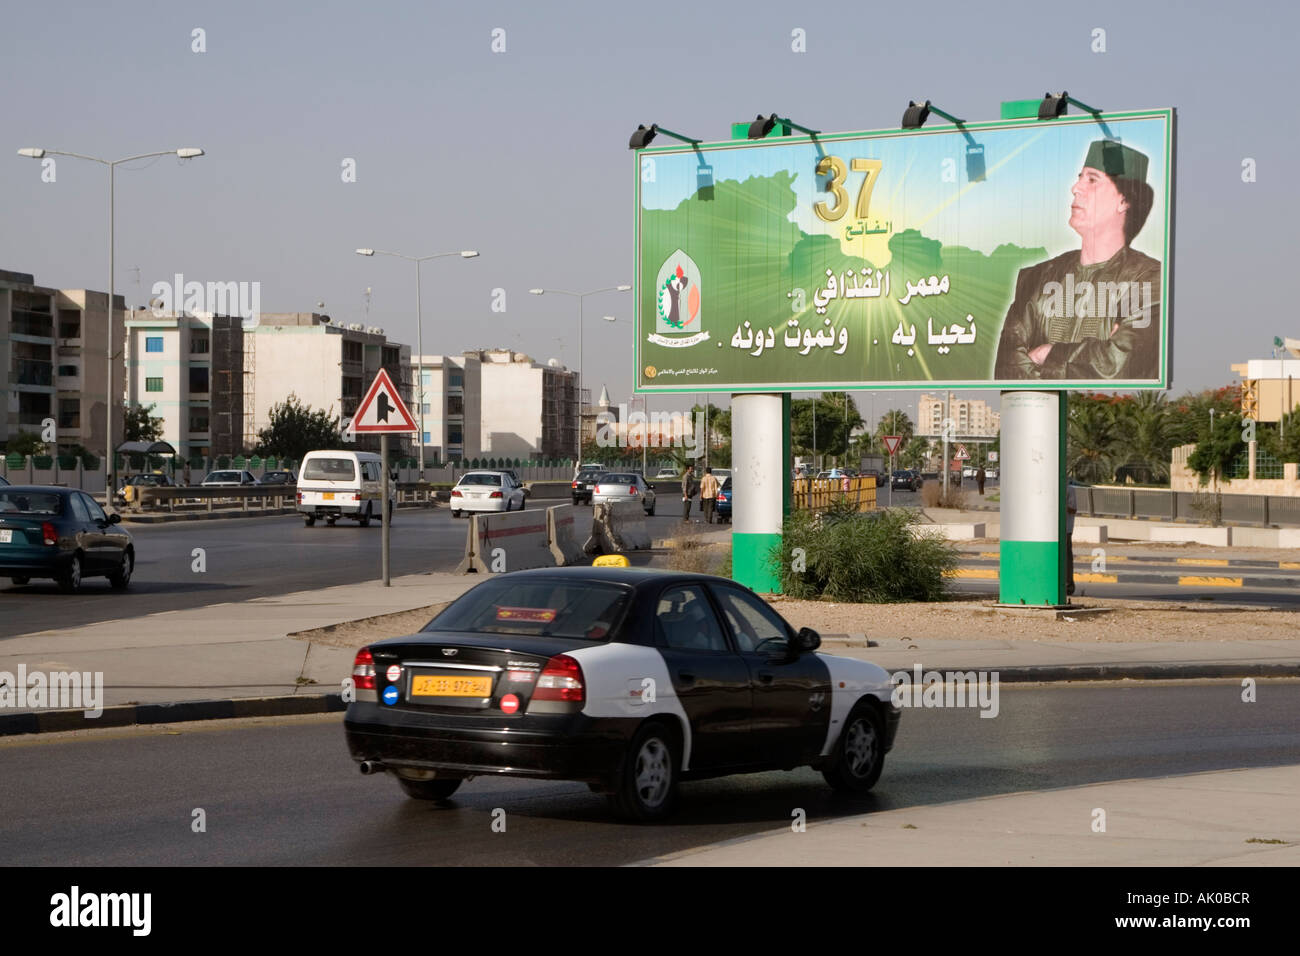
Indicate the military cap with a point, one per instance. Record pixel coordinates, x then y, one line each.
1116 159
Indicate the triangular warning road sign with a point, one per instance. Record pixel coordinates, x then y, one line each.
382 410
892 442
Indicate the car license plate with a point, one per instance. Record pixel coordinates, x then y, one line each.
447 685
328 496
6 536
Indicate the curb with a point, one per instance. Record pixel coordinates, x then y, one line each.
1181 580
1083 556
169 517
126 715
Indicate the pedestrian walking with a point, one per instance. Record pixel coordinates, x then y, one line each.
688 491
980 477
709 494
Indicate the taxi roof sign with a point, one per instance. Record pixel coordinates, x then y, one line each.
382 411
612 561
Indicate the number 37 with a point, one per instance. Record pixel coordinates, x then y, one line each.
835 167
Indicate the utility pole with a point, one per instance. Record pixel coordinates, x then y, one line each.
947 427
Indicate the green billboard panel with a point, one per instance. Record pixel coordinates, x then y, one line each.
1010 254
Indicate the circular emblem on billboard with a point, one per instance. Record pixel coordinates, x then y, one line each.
510 703
393 672
651 371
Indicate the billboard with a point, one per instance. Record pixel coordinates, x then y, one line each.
1008 254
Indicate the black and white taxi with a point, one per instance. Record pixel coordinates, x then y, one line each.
629 679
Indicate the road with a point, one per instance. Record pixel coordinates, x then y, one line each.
246 558
284 792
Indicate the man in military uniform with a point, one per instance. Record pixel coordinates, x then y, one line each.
1093 313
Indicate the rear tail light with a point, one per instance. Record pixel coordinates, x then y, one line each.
633 491
356 497
455 493
363 670
575 484
48 533
561 679
495 494
299 495
595 489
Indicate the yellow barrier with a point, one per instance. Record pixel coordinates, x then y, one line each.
814 494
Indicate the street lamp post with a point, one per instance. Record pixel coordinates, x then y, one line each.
419 327
580 296
188 152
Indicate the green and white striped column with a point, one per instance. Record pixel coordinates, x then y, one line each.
1032 563
760 474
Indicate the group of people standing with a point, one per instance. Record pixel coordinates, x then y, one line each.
707 488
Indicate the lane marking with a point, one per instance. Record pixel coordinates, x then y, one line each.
1209 582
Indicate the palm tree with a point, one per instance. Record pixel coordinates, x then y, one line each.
1092 439
1147 434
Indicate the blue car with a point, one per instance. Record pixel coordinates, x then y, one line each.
61 533
724 501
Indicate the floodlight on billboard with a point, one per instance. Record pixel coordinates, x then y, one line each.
1007 254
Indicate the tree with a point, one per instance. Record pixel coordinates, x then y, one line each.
1215 454
295 429
1147 432
1091 439
139 425
26 443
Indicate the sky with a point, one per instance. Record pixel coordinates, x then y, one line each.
502 127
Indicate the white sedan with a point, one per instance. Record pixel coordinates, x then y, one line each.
487 491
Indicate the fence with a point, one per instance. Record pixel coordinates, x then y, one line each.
1186 505
815 494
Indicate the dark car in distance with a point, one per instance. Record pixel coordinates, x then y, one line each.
626 679
583 484
61 533
906 479
278 478
725 501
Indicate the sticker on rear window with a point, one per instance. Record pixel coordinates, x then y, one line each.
544 614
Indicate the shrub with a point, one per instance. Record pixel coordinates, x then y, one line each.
932 495
869 557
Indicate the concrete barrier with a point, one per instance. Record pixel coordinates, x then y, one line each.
1219 537
950 532
1090 533
618 527
549 490
564 534
506 542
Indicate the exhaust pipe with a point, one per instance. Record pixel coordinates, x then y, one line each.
371 766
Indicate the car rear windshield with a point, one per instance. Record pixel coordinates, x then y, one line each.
544 608
329 469
30 502
223 476
480 480
618 479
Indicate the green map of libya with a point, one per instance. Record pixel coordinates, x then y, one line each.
753 263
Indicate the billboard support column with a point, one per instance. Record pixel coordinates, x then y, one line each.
760 430
1032 468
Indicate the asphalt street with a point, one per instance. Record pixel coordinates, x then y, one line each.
285 792
244 558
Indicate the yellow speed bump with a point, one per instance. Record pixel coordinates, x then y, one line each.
1205 562
612 561
972 573
1090 578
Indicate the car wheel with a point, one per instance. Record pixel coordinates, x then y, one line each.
309 521
69 581
859 753
455 512
429 789
330 521
365 518
20 579
646 787
121 578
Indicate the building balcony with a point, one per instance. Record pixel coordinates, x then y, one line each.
31 372
26 322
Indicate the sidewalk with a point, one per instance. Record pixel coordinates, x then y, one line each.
1204 819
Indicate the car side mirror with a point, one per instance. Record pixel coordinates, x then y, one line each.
807 640
114 518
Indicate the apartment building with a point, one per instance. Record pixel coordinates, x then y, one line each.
528 410
972 418
449 399
52 361
214 378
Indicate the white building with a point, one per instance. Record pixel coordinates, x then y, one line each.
449 395
971 417
528 410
